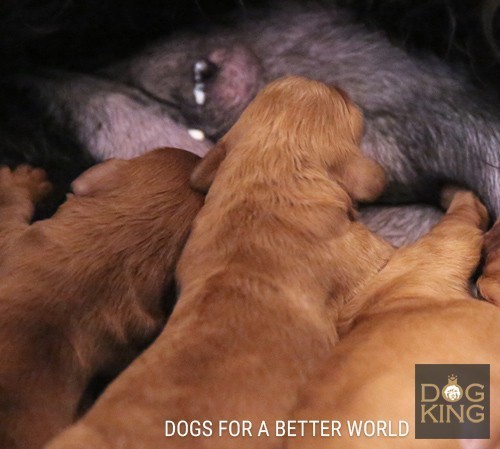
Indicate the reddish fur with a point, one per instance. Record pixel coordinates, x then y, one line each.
274 266
417 310
272 253
81 293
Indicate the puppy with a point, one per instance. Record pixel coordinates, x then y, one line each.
82 293
274 243
417 310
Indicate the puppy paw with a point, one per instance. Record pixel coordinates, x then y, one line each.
448 192
24 177
458 200
489 288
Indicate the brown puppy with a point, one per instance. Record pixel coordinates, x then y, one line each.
273 244
82 293
417 310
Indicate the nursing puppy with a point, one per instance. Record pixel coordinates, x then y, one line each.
417 310
273 245
82 293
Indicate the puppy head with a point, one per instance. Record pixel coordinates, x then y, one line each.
305 121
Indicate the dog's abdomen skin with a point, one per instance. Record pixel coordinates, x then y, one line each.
82 293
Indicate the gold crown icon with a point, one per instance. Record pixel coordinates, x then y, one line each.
452 378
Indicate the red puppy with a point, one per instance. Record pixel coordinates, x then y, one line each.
416 310
82 293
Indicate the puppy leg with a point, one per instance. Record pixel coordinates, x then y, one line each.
19 190
489 282
444 259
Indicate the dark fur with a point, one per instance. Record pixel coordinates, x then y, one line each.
457 30
57 131
28 134
86 34
425 121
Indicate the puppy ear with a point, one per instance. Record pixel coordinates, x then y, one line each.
204 173
99 178
364 179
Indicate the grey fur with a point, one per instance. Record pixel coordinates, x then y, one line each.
111 119
424 122
400 225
